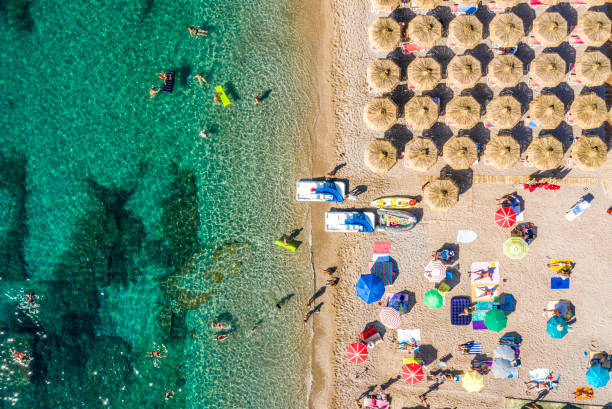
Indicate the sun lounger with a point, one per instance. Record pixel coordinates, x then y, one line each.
408 48
458 304
474 348
576 210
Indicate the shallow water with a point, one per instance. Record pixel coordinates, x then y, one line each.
133 232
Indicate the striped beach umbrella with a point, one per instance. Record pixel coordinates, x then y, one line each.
505 217
515 248
385 271
435 271
413 373
390 317
357 353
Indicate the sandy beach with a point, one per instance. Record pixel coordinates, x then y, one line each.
340 137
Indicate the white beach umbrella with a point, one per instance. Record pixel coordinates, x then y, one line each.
390 317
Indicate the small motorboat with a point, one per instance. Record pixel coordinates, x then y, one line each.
309 190
395 220
394 202
350 222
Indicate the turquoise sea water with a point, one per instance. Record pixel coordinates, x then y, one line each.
133 232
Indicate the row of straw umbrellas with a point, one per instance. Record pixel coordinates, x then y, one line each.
545 152
505 30
389 5
588 111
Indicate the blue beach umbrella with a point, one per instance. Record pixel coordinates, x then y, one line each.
597 376
370 288
556 327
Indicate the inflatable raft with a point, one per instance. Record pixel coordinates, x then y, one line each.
350 222
320 191
395 220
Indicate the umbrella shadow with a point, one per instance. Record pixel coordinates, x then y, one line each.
523 135
485 16
427 353
481 93
522 93
442 54
444 15
400 96
525 54
564 92
382 330
525 13
411 300
479 134
483 54
401 59
399 135
463 178
564 134
443 93
568 12
403 15
440 133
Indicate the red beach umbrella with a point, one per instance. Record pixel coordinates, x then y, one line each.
505 217
413 373
357 353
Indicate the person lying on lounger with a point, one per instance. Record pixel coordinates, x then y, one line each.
507 200
560 264
564 272
468 311
583 393
484 273
486 291
536 386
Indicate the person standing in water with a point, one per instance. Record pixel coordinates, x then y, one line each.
203 134
200 78
154 91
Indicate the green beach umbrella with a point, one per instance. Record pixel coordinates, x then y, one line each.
515 248
556 327
433 299
496 320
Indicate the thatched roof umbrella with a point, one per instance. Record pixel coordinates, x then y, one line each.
464 71
465 31
547 110
593 68
380 114
380 155
386 5
504 111
504 4
428 4
503 151
421 112
594 28
425 30
545 152
460 152
468 2
385 34
548 69
421 154
506 29
589 152
506 70
441 194
550 29
595 2
424 73
463 111
383 75
588 110
550 2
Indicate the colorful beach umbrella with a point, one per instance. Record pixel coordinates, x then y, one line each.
435 271
588 110
441 194
503 151
433 299
598 376
385 270
495 320
390 317
505 217
472 381
594 28
413 373
369 288
556 327
589 152
357 353
502 368
515 248
380 155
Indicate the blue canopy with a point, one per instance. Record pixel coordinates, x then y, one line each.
370 288
330 188
597 376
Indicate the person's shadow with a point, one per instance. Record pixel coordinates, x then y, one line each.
265 95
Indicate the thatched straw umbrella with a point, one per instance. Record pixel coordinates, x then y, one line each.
506 70
594 28
383 75
550 29
504 4
547 110
593 68
380 114
545 152
588 111
463 111
385 5
425 30
421 154
460 152
424 73
380 155
421 112
595 2
464 71
550 2
428 4
548 69
441 194
465 31
385 34
468 2
504 111
506 29
589 152
503 151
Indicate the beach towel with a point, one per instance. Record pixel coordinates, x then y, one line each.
409 335
562 306
385 271
381 250
478 324
479 315
479 295
458 304
558 283
491 267
539 374
474 348
399 301
466 236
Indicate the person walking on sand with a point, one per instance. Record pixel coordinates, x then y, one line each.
331 282
196 31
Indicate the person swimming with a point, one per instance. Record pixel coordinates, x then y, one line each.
203 134
200 78
196 31
216 99
222 337
154 91
157 354
217 325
